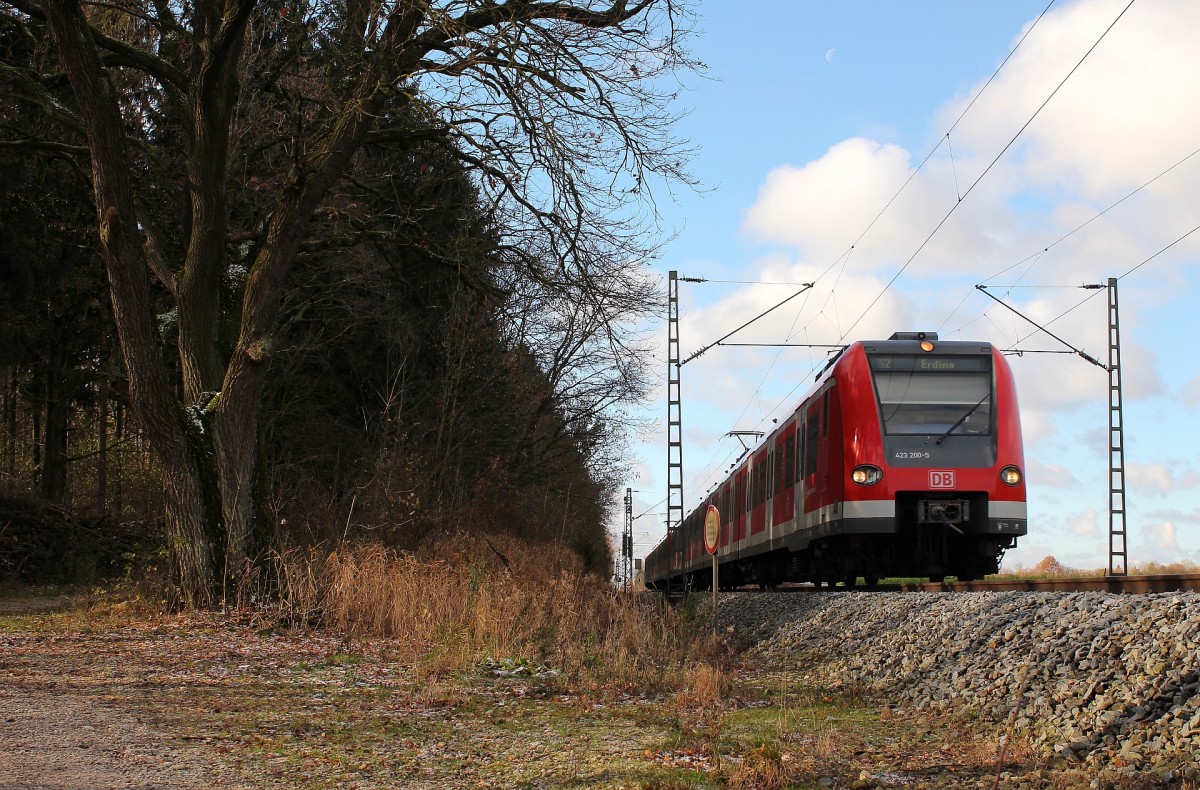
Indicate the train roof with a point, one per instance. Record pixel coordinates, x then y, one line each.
901 342
907 342
898 343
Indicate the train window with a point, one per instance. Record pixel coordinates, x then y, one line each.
799 449
825 414
780 458
810 445
789 460
781 469
926 396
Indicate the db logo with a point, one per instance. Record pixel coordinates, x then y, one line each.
941 479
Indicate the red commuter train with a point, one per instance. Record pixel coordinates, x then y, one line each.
905 460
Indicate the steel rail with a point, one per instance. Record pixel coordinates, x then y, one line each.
1163 583
1175 582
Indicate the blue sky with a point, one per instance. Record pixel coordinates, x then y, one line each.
809 119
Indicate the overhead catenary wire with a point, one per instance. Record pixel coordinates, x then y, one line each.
695 354
1097 291
1160 252
924 161
973 185
946 137
1034 257
1037 257
844 258
1080 352
988 169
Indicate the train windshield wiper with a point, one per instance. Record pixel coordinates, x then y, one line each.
962 419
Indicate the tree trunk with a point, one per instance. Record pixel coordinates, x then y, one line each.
118 470
102 442
10 438
54 454
150 391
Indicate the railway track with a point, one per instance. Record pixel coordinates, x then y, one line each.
1179 582
1135 585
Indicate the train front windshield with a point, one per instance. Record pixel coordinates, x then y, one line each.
923 395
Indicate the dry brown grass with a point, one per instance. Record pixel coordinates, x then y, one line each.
704 686
1051 568
465 599
1159 569
761 768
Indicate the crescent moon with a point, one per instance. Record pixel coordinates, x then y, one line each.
829 56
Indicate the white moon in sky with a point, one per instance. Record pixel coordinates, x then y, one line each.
829 56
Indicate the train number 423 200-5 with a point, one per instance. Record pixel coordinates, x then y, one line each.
910 454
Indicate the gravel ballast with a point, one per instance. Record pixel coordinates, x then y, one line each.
1089 677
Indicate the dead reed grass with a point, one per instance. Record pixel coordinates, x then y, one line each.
761 768
466 598
1051 568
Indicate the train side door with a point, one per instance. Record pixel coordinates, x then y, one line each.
812 445
726 515
758 483
798 469
784 500
833 479
739 504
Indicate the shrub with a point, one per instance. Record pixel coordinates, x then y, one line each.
464 599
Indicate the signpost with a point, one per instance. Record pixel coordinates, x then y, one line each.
712 536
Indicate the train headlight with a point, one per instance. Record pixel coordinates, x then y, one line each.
1010 476
866 475
927 345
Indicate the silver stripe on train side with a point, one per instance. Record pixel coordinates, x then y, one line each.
870 508
1008 510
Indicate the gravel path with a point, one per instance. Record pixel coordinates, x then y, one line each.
1100 682
67 722
64 741
1098 678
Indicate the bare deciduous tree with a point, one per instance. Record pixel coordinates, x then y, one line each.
560 109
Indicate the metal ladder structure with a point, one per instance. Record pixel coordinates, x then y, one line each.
675 585
1118 564
627 542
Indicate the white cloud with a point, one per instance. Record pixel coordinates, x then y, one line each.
1134 87
819 207
1025 556
1158 542
1162 535
1160 478
1122 118
1191 392
1189 518
1085 523
1051 475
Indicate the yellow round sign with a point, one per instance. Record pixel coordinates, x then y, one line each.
712 529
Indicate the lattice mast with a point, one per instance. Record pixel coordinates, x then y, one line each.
627 542
674 440
1118 564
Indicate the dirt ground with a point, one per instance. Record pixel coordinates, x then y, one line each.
66 718
112 700
203 701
